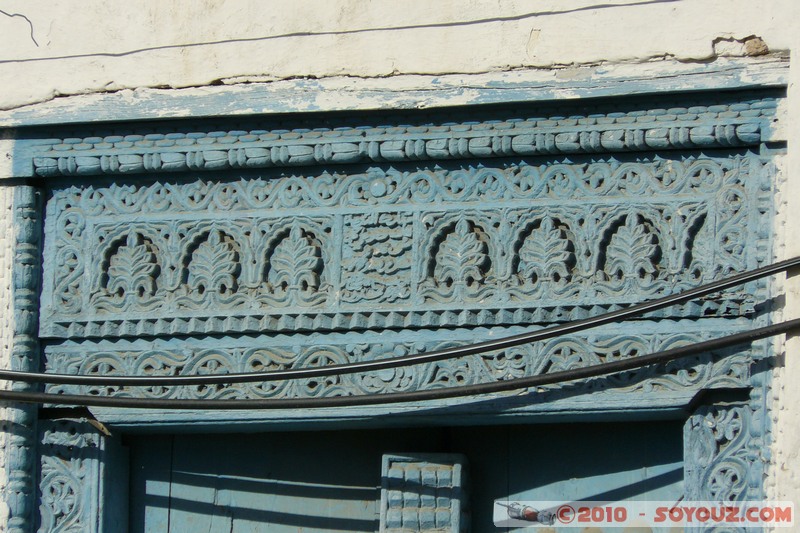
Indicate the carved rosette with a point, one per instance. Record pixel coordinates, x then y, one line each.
132 269
546 255
631 251
214 265
461 262
295 268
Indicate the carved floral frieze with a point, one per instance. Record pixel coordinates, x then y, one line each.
392 247
264 355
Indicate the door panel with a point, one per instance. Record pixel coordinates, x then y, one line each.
331 481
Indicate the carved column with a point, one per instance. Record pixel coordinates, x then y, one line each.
21 444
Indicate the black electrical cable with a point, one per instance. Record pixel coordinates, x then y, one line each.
399 397
382 364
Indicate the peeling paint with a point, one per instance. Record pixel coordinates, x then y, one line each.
349 93
160 47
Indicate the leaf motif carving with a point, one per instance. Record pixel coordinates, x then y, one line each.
215 265
133 268
296 262
632 251
546 254
462 257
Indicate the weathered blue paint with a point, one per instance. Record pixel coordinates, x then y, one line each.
202 481
424 492
80 471
267 143
635 126
20 451
208 248
372 249
674 389
414 92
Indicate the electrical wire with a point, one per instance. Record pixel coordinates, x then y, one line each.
401 397
416 359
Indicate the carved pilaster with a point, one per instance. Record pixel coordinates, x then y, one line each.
21 444
69 457
716 455
723 453
80 470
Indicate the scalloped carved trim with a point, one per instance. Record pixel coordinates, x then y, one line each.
192 358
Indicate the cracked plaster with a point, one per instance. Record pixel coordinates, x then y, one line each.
94 50
105 47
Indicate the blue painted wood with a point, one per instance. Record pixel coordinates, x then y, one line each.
728 369
636 126
83 479
386 236
190 482
405 93
537 241
20 451
150 474
425 493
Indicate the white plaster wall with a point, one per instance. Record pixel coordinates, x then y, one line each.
6 323
64 47
784 482
69 47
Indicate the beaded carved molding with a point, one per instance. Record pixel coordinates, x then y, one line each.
636 126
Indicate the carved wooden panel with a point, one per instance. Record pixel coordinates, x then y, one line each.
710 370
253 247
515 242
425 493
82 479
482 241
